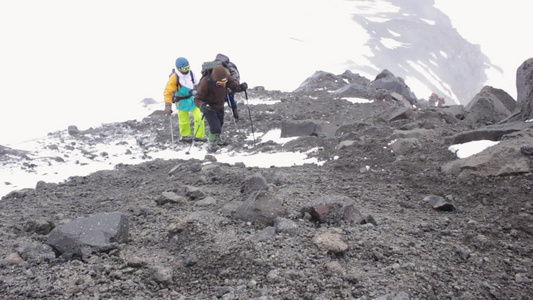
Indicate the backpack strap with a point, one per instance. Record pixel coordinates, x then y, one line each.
178 81
177 78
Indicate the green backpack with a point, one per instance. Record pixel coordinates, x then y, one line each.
208 66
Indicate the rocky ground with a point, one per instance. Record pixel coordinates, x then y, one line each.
191 238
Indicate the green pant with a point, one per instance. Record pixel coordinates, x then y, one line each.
185 123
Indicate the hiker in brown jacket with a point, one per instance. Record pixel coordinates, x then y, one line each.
211 96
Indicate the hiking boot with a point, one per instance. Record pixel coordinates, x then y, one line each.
212 145
219 141
199 140
186 139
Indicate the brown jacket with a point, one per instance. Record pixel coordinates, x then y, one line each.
212 94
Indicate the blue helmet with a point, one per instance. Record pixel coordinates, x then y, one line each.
181 62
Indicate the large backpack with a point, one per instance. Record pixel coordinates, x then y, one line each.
233 71
208 66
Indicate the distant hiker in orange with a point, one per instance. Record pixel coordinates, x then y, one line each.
441 102
432 100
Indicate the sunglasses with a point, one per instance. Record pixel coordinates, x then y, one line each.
184 69
222 82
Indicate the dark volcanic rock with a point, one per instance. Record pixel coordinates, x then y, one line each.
333 209
524 89
100 232
489 106
392 84
201 229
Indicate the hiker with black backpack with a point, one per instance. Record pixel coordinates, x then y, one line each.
211 96
234 72
180 91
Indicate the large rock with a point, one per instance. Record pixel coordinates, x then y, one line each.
73 130
347 84
396 113
261 208
6 152
333 209
392 84
456 112
97 233
356 91
355 79
492 132
524 89
321 81
489 106
37 252
330 241
402 146
254 182
290 128
400 99
418 133
298 128
504 158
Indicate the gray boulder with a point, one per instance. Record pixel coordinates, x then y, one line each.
321 81
356 91
489 106
439 203
491 132
396 113
73 130
392 84
291 128
524 89
354 79
298 128
402 146
347 84
37 252
504 158
261 208
333 209
418 133
254 182
100 232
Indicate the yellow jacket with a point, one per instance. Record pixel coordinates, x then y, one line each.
172 86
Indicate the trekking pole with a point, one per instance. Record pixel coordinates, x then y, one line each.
197 128
250 115
171 132
231 107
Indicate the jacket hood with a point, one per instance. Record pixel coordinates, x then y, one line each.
219 73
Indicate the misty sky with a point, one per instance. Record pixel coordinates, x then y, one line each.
85 62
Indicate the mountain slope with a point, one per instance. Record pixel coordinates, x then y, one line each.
416 41
200 229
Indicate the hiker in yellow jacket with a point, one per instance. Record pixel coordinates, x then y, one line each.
179 90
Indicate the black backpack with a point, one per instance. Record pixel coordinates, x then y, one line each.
232 68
